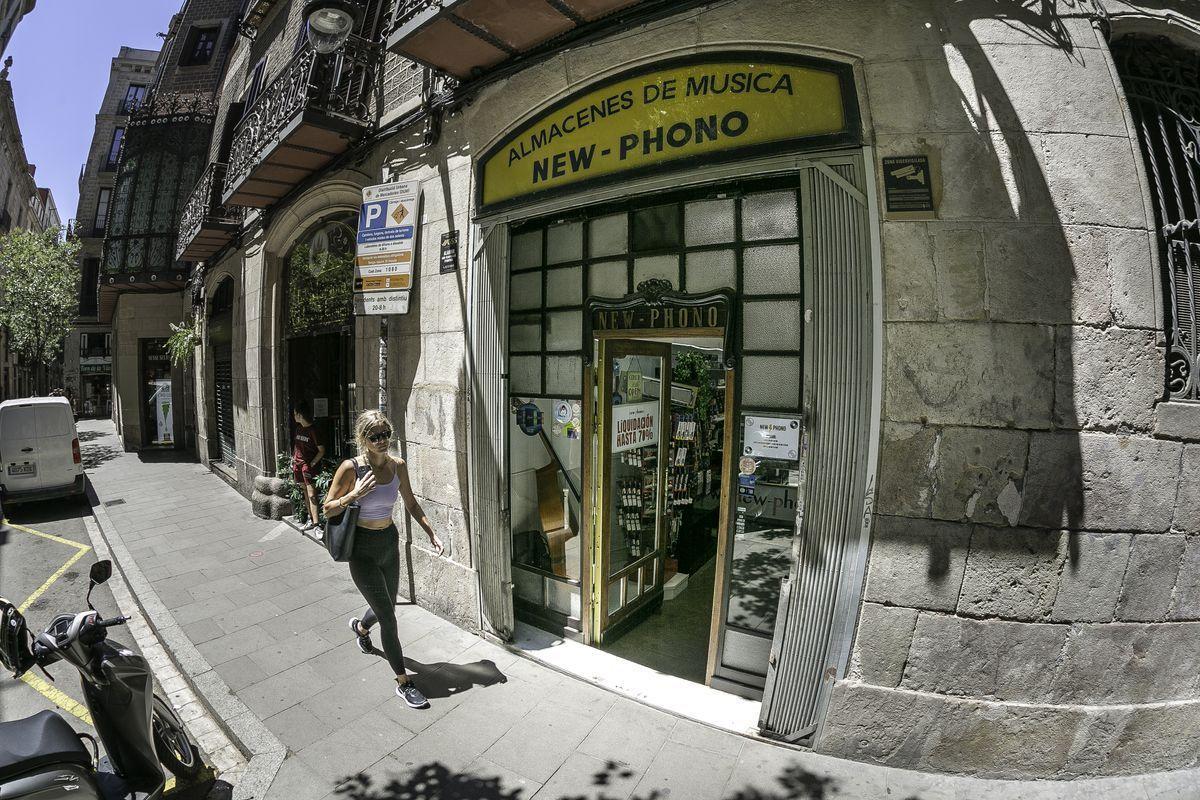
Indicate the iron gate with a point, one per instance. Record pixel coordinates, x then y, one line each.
223 396
1162 83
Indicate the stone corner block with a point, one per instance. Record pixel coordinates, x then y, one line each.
917 563
1012 573
1150 578
1091 577
882 643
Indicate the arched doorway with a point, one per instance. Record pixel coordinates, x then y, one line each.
319 328
220 339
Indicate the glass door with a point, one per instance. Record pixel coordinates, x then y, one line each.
630 545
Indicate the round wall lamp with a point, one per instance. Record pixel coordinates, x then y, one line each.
330 23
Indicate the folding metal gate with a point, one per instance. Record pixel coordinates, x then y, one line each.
819 602
223 397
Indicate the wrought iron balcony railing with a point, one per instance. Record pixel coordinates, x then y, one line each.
311 112
206 224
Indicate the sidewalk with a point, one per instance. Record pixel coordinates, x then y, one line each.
255 616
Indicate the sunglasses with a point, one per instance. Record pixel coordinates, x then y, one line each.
379 436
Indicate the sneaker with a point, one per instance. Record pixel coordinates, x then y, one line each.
364 642
411 695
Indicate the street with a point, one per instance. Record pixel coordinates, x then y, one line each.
45 554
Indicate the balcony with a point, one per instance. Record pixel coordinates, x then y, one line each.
466 38
312 112
206 225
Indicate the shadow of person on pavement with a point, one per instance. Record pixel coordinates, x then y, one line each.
442 679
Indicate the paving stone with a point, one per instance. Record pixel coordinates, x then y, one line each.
687 771
581 775
917 563
506 781
278 692
232 645
296 781
629 733
240 672
538 743
346 751
1147 590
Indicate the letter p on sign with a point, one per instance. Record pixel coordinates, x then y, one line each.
374 216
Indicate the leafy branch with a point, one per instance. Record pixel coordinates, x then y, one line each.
39 282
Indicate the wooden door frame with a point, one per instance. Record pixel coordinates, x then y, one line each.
598 592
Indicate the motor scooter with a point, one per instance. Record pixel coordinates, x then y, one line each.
42 757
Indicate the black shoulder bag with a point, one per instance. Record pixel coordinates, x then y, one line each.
339 530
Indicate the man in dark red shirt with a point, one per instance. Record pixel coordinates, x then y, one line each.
307 453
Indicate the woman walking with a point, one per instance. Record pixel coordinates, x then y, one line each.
374 479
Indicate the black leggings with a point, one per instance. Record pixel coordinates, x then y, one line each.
375 568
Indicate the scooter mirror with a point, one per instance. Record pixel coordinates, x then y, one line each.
101 572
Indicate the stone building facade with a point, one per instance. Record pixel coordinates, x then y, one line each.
87 367
995 568
142 286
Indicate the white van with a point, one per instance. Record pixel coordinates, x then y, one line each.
39 450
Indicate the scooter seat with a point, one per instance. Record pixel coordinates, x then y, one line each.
39 741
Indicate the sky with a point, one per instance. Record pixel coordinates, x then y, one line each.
62 52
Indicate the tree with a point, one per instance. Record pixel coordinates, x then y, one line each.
38 291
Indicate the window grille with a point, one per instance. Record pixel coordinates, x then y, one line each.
1162 82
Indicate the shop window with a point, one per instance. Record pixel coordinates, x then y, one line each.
656 228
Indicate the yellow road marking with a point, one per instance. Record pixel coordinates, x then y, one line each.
50 581
49 536
55 696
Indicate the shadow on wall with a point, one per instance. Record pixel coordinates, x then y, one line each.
435 781
411 153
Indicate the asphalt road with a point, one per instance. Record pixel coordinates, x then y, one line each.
27 562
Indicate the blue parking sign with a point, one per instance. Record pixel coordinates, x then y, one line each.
373 216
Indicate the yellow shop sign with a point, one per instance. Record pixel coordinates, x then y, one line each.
670 115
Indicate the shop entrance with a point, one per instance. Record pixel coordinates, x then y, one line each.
660 492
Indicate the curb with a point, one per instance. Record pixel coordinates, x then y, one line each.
252 741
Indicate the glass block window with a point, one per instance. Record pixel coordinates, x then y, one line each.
746 238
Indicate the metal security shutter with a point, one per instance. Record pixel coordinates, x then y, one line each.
486 440
819 601
223 397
